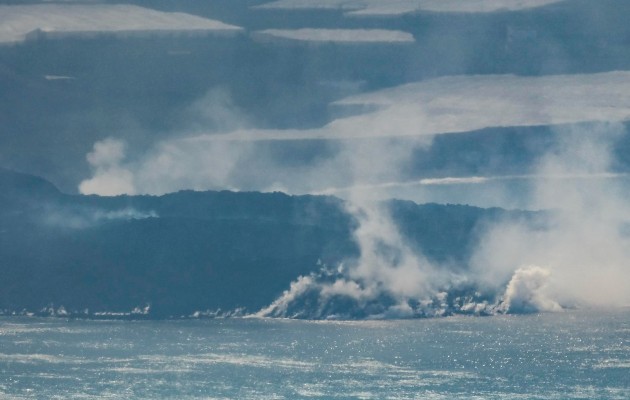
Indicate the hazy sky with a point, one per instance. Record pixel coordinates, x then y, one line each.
242 95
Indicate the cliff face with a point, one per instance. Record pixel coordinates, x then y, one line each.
180 252
188 251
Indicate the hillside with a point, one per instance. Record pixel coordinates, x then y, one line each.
189 251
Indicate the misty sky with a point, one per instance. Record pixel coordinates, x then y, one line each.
449 101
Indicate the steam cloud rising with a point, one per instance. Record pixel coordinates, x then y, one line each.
577 257
585 245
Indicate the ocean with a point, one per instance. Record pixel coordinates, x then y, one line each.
565 355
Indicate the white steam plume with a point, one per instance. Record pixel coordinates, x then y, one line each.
110 178
585 245
577 256
525 292
389 273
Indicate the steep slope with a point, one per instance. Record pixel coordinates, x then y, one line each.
188 251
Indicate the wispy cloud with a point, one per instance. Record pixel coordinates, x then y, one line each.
466 103
476 180
58 77
17 22
340 36
401 7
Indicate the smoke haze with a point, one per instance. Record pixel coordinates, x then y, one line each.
493 103
585 243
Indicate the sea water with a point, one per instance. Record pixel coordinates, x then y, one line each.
566 355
